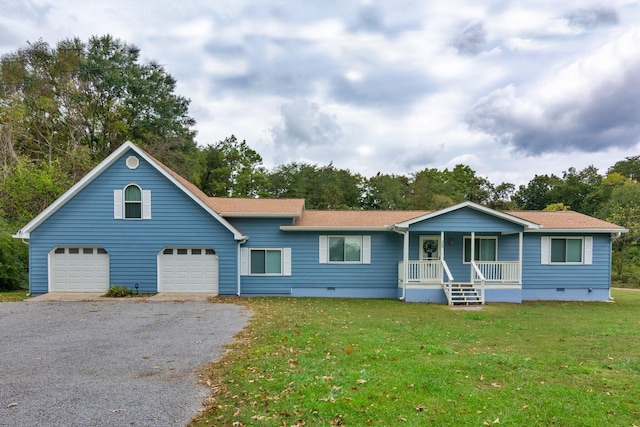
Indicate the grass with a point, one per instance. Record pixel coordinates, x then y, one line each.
360 362
13 296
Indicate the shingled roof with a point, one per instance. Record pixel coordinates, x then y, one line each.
566 220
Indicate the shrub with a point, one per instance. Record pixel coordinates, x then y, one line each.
119 291
14 258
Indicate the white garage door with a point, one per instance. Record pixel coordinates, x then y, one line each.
188 270
79 270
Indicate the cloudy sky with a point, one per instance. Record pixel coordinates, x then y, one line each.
510 88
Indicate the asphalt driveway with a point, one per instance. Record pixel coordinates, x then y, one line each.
108 363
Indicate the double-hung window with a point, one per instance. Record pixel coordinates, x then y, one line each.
132 202
345 249
566 250
266 261
485 249
561 250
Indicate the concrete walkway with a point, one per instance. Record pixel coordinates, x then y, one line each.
99 296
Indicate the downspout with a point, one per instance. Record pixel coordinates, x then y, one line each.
405 261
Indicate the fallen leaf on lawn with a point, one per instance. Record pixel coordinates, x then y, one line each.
361 381
481 377
236 412
420 408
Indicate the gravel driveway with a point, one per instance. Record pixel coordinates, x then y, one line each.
108 363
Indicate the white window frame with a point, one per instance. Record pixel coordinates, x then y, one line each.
546 245
477 248
285 261
119 203
365 249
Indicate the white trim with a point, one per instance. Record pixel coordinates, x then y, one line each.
587 249
286 261
335 228
366 249
545 250
101 167
579 230
146 204
244 261
323 249
117 204
475 206
261 214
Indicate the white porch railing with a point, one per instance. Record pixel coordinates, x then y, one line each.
479 277
497 271
423 271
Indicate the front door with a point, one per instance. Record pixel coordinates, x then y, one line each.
429 248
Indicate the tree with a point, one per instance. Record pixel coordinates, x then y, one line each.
386 192
623 208
537 194
322 187
230 168
77 102
629 167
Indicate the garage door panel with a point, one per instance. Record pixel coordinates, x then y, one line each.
188 270
79 270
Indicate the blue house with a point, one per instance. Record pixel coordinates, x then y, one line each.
132 220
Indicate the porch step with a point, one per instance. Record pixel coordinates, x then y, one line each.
463 294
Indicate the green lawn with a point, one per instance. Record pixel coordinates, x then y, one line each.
381 362
12 296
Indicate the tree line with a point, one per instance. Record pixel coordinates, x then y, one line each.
64 108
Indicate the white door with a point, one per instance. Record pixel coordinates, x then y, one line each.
77 269
188 270
429 248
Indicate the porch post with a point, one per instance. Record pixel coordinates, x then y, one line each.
441 245
473 252
405 263
520 244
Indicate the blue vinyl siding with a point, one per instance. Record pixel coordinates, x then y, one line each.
133 245
547 276
465 219
379 277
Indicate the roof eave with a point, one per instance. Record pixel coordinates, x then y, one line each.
332 228
579 230
260 215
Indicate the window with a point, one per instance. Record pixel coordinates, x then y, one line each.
345 249
566 250
266 261
486 249
132 203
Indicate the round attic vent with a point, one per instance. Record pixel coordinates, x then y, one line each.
132 162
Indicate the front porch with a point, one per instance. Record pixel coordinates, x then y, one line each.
432 281
458 267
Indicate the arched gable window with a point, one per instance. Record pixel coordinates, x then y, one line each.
132 202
